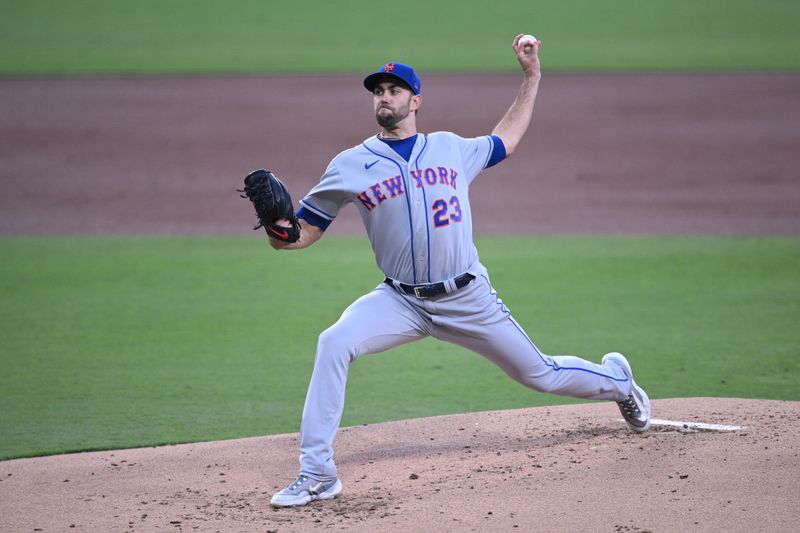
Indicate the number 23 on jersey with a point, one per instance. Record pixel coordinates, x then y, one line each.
445 211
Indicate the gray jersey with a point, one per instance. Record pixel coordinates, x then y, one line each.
416 213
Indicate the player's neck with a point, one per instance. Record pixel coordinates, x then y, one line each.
398 133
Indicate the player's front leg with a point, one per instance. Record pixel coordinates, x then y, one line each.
375 322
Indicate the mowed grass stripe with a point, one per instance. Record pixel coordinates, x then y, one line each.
253 36
120 341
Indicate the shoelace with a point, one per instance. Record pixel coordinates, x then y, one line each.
630 407
299 481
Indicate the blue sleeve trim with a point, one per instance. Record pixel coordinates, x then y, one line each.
313 218
498 151
316 210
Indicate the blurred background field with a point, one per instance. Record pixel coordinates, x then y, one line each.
124 341
255 36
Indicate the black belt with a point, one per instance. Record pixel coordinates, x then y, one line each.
430 290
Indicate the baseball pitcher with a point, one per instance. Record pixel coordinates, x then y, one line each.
412 192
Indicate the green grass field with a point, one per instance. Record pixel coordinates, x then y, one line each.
256 36
120 342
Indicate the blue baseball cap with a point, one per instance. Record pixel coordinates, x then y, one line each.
400 71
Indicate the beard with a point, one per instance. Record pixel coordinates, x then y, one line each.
388 118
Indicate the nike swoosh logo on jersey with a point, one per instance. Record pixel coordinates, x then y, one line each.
368 166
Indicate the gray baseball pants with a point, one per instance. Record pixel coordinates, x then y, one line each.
473 317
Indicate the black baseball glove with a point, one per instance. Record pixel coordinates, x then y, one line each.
272 201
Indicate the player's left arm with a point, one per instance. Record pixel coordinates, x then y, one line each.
515 122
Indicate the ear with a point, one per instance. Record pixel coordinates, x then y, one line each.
416 102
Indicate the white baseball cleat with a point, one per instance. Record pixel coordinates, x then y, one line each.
304 490
635 408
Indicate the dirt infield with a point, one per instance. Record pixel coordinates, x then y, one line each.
607 154
643 154
565 468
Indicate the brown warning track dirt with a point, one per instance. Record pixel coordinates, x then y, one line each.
618 154
607 154
564 468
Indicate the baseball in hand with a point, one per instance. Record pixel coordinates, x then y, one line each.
526 42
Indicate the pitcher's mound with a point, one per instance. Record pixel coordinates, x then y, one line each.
564 468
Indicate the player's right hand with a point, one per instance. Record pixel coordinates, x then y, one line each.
528 61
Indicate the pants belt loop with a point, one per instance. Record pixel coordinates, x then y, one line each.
450 286
396 285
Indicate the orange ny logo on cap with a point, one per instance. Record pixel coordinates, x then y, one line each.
388 67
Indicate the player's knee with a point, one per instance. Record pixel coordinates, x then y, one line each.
539 385
334 345
538 381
